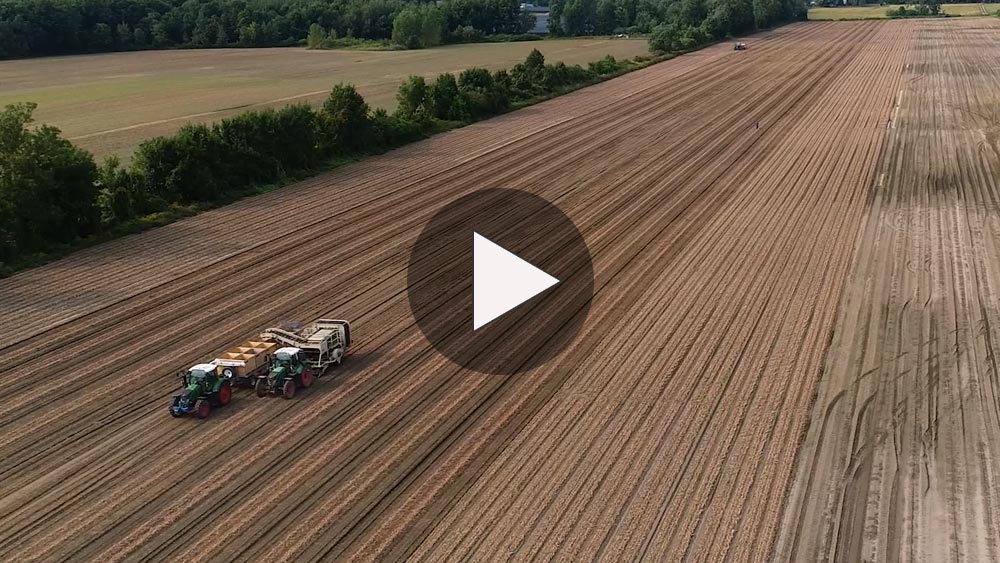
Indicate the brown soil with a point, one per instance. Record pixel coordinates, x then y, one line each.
902 457
725 256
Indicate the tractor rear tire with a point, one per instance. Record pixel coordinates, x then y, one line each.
225 394
202 408
306 378
261 387
288 389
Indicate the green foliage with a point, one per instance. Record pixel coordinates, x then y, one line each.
489 17
607 65
924 9
419 26
52 27
52 195
184 167
344 121
414 99
118 198
317 36
444 98
393 131
479 95
47 191
678 37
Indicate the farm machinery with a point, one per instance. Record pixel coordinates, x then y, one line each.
289 371
202 390
740 47
280 361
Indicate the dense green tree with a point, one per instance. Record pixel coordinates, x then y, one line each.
414 99
418 26
444 96
407 28
345 124
47 189
316 37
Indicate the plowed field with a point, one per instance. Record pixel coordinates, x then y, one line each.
902 459
761 222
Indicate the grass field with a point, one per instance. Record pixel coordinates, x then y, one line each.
109 103
876 11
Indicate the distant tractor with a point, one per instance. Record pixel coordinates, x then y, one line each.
740 47
289 370
203 389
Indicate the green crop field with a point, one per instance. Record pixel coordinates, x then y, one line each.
877 11
109 103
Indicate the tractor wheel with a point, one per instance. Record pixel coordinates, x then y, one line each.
307 378
288 389
202 408
225 394
175 413
261 387
229 373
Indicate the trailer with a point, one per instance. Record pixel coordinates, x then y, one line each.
244 363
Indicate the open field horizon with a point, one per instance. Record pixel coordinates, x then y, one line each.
108 103
821 13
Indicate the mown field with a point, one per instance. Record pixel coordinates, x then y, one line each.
109 103
876 11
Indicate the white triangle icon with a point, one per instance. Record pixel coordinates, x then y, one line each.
501 281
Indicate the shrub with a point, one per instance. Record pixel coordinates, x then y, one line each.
444 98
344 123
394 131
479 96
607 65
418 26
185 167
47 190
413 99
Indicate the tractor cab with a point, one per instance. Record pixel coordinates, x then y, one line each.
201 374
290 357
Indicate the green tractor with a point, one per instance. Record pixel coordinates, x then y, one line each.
203 388
289 370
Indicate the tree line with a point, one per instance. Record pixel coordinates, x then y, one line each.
58 27
53 194
55 27
674 25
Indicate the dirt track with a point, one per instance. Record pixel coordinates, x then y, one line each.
668 431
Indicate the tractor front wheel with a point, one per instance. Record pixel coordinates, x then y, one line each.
288 390
202 408
307 378
261 387
225 394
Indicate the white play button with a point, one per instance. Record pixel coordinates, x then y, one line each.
501 281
